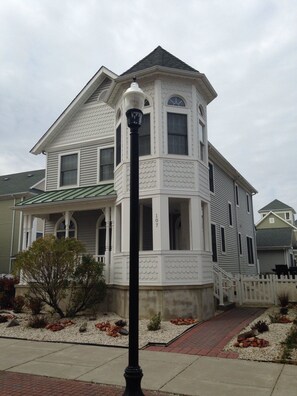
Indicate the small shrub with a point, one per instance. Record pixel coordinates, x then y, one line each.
283 310
283 299
261 326
289 344
3 319
18 304
155 323
37 322
7 291
35 304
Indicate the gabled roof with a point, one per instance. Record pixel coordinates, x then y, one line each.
287 224
276 205
220 160
274 237
20 183
159 57
160 63
70 194
73 107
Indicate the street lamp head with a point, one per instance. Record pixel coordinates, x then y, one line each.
133 104
133 97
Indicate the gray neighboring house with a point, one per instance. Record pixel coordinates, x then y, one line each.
15 188
232 217
276 237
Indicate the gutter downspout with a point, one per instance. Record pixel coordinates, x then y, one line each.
236 225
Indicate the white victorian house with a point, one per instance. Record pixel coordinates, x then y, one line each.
87 185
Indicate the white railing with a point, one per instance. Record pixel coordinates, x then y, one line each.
100 259
260 289
224 285
265 289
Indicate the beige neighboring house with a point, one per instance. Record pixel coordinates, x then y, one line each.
276 237
15 188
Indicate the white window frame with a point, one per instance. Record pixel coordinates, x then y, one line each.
119 123
253 251
63 219
213 178
176 110
248 203
240 249
221 239
98 165
148 110
63 154
236 195
230 213
202 141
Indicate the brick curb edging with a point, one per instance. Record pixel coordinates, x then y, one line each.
20 384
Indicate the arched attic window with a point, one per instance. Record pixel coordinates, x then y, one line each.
146 103
176 101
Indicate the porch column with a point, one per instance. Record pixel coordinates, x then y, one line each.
29 228
112 216
67 216
107 244
22 280
25 222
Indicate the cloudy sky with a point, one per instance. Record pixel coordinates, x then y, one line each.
49 49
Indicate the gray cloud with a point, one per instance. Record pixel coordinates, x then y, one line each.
247 49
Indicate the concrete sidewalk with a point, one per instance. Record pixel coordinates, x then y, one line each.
174 373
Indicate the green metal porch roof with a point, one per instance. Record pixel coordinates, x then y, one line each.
71 194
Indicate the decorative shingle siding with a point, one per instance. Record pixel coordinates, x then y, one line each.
89 123
102 87
203 180
179 174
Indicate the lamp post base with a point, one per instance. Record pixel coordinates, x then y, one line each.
133 376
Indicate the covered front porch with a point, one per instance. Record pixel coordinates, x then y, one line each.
83 213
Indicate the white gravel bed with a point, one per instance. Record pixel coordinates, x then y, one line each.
93 335
277 333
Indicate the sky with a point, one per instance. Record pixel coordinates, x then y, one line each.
49 49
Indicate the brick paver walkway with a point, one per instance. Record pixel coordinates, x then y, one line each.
207 338
210 337
17 384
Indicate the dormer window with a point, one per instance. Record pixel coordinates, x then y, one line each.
176 101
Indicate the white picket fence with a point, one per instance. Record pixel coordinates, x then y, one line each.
254 290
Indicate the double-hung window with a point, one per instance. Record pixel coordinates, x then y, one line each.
250 250
177 133
145 135
202 141
177 127
68 170
118 145
211 177
106 163
223 240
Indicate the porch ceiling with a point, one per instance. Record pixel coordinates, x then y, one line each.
103 191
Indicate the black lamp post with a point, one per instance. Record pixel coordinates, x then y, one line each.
134 102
